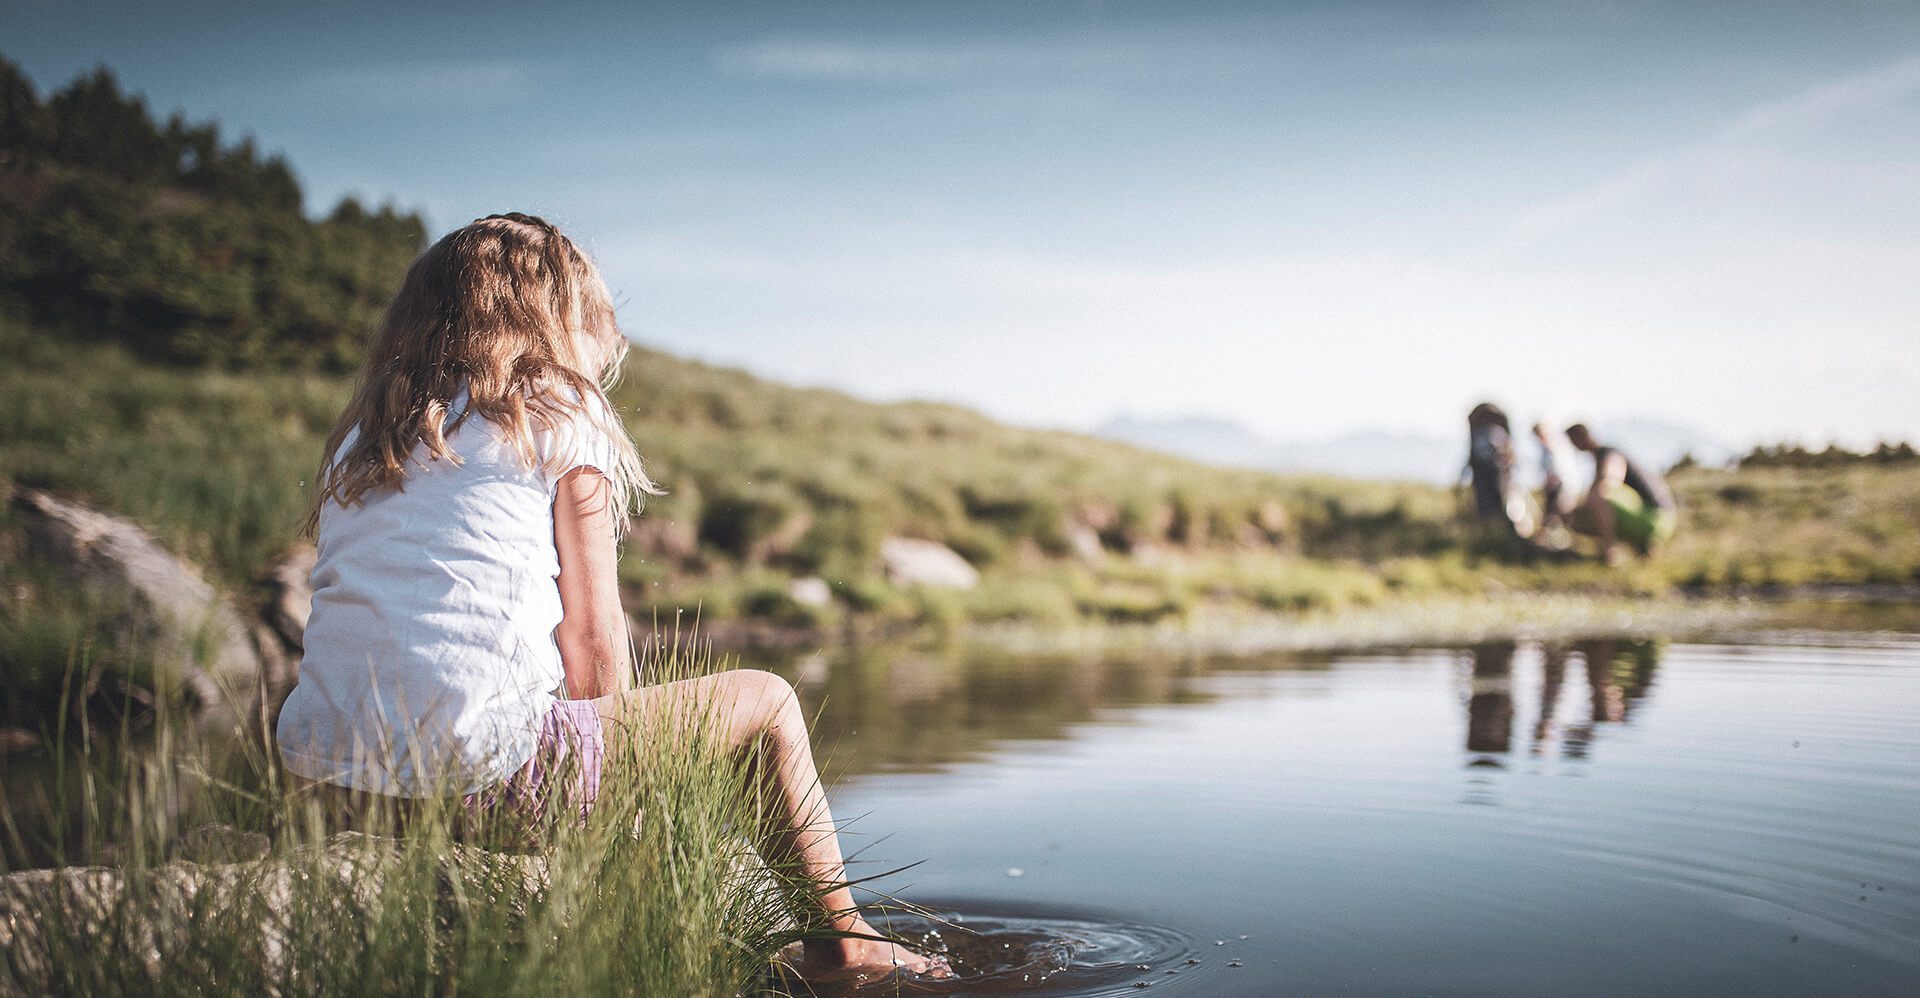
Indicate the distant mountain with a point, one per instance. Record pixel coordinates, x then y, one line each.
1661 443
1202 438
1382 453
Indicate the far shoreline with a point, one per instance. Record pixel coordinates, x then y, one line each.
1414 622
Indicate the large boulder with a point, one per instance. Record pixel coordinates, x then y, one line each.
810 590
163 603
46 915
910 561
230 891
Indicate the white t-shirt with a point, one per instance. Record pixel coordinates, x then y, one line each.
430 660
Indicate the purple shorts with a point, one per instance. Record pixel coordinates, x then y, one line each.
562 775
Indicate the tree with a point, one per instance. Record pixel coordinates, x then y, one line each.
182 246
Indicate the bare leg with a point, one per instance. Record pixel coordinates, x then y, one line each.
1609 526
754 709
1595 518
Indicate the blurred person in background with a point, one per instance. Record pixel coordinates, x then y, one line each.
1497 498
1558 492
1627 501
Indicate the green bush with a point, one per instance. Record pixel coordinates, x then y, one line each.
1039 601
752 521
771 602
874 596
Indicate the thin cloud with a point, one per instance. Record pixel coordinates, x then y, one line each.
1848 96
900 63
911 63
1471 51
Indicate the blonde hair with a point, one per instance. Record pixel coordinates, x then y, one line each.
508 310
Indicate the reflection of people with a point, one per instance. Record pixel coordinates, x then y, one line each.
1619 677
466 612
1553 672
1497 498
1627 502
1619 673
1490 705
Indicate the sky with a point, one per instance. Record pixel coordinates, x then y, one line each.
1307 218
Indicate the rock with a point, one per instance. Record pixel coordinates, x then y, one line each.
810 590
289 583
279 664
221 844
167 605
1084 542
910 561
1272 520
280 633
128 917
122 912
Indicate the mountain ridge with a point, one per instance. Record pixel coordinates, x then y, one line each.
1384 454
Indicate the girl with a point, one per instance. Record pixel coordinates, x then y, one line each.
467 636
1559 493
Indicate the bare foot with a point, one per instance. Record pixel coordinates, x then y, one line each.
864 960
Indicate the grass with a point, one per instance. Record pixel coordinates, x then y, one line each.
1849 525
769 482
1433 620
216 464
656 894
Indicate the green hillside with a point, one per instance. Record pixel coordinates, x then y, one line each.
767 482
763 479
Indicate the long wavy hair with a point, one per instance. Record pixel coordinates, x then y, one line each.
508 310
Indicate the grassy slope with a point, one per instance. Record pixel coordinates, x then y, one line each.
768 481
1786 526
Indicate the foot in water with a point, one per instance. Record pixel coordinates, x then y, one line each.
865 960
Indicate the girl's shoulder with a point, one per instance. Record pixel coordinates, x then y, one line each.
574 429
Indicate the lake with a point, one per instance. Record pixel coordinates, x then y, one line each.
1593 817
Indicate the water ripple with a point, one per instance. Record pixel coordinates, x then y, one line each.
1000 950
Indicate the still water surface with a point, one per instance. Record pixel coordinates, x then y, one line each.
1600 817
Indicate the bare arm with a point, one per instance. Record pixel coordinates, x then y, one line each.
593 627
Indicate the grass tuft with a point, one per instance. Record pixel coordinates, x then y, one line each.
217 876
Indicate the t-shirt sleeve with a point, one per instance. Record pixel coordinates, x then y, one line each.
580 441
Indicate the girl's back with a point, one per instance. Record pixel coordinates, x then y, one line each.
430 657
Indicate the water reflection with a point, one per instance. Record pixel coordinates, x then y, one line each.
885 708
1490 704
1619 678
1665 818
